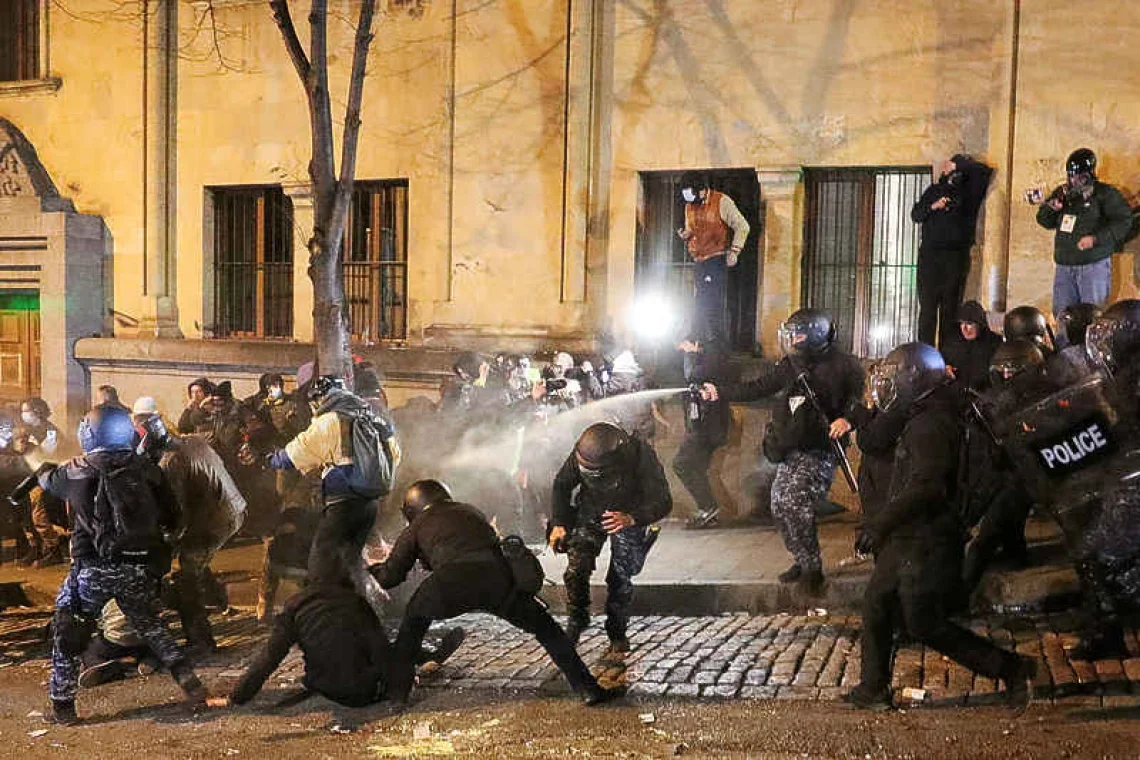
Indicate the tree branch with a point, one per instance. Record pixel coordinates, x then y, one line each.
284 21
351 135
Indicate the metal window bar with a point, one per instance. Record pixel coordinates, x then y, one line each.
861 251
19 40
253 263
375 261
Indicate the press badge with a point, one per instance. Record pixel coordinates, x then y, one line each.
1068 222
795 402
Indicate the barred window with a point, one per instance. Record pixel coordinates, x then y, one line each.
861 253
376 261
253 263
19 40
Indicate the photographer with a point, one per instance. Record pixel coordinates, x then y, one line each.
1092 220
948 213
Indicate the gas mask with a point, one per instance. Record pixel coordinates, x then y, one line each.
689 195
1078 184
600 479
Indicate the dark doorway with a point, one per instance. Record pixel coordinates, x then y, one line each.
664 267
861 252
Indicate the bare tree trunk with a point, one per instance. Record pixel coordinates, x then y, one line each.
331 195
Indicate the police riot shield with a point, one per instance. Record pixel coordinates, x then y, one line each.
1071 449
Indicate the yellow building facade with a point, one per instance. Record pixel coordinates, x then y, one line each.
511 147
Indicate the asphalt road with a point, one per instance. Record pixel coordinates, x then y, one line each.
141 718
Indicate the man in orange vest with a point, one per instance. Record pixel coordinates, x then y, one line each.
714 234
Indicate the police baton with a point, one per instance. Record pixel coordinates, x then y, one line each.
836 445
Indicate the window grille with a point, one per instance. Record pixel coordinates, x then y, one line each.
861 252
376 261
253 263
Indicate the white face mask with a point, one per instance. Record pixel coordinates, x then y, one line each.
275 392
30 418
689 195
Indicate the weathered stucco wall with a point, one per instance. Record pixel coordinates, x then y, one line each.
522 145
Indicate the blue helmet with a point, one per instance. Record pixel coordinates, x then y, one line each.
107 428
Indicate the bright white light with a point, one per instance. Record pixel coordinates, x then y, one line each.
653 316
880 333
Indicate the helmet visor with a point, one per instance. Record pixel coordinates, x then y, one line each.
793 339
884 385
1098 344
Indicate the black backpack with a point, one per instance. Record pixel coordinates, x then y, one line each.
525 567
125 520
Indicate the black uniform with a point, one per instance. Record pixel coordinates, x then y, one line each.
944 253
877 435
468 573
643 493
994 498
707 426
797 440
919 548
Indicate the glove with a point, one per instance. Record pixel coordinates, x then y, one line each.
865 543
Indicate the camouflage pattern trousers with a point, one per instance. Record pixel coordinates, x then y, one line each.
628 549
802 479
87 588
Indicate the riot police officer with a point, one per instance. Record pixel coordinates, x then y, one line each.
995 500
1072 364
468 573
1029 323
797 439
611 486
916 536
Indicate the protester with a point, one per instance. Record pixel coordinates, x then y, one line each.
968 353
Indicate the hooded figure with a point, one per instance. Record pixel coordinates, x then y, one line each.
968 354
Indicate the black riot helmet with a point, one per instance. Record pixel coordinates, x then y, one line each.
807 333
1081 161
600 453
323 386
1113 339
1014 357
421 495
908 373
1075 319
1028 323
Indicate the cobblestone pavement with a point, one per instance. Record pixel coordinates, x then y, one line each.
732 656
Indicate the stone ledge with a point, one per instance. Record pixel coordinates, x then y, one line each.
215 356
47 85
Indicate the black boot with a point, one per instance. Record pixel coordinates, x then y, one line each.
875 700
600 695
1019 684
574 628
61 712
791 575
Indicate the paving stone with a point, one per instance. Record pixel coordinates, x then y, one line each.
758 692
684 690
641 688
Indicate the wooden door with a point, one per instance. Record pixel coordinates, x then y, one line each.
19 354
